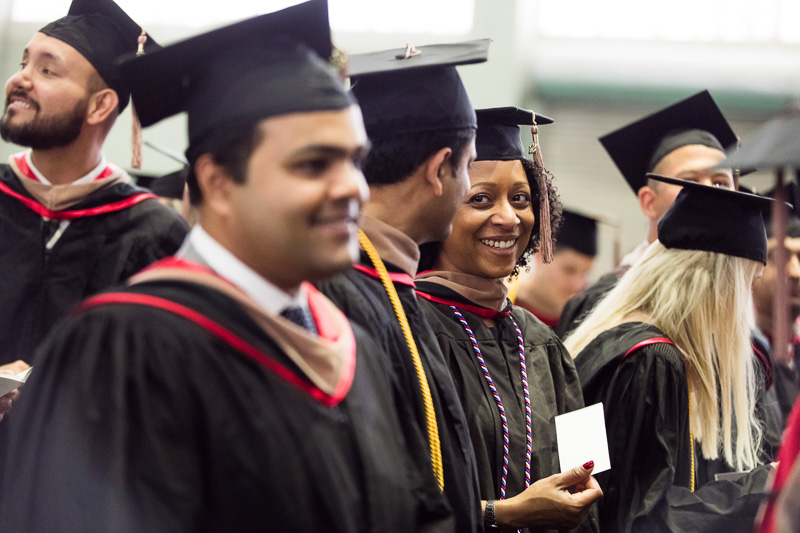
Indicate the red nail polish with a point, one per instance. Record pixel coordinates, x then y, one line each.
588 465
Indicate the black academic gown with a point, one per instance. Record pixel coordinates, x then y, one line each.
706 469
143 421
582 304
645 399
39 286
553 388
363 299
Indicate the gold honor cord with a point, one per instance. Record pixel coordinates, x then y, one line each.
691 435
427 401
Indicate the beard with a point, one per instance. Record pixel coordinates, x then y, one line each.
44 133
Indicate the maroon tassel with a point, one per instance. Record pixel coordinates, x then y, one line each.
545 233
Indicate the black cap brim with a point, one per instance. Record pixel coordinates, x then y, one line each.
716 220
429 56
774 145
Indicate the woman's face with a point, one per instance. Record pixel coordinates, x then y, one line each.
492 228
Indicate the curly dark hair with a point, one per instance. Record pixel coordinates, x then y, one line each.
429 252
536 176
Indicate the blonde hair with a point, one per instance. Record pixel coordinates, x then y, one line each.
702 301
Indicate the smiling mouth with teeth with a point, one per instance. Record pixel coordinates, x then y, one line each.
20 101
498 244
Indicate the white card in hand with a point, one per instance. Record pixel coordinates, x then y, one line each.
582 437
8 382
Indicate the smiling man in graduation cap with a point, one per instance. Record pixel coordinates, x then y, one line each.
73 223
220 391
686 140
422 128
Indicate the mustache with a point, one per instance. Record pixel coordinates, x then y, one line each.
22 94
342 210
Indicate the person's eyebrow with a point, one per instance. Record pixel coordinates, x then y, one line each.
327 150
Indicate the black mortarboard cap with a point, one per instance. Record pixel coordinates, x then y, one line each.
269 65
420 93
578 232
774 145
638 147
101 32
167 186
498 137
715 220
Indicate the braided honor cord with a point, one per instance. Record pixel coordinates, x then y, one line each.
499 402
427 401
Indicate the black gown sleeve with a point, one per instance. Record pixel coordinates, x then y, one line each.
102 422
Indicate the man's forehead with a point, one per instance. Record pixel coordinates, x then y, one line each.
42 45
316 122
332 129
694 158
792 244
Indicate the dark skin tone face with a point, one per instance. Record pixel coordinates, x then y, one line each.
493 225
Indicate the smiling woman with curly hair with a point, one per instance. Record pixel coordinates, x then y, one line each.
512 373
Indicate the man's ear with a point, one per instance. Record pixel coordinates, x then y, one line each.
647 200
436 168
215 184
102 104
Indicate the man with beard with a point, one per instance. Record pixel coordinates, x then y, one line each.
72 223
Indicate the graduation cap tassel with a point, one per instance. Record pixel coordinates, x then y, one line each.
136 133
339 61
545 235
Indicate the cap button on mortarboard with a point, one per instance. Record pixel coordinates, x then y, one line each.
411 51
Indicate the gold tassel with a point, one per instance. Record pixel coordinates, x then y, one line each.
432 426
136 133
545 234
339 61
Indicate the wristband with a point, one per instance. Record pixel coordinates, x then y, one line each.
489 522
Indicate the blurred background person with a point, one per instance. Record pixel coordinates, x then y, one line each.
548 286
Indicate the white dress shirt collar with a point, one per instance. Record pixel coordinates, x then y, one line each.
88 178
223 262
